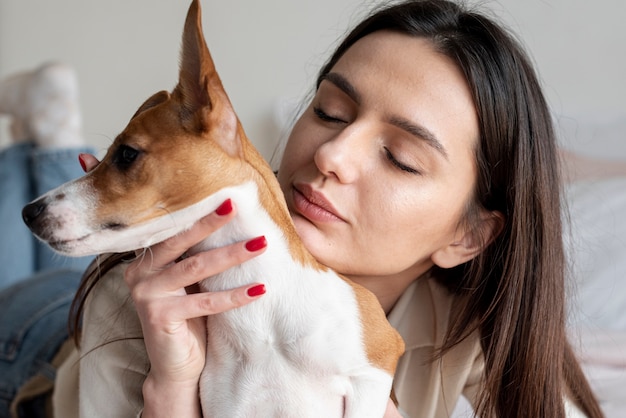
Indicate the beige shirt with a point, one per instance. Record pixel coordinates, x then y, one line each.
113 361
427 388
109 371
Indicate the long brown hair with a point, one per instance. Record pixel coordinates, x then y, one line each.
513 292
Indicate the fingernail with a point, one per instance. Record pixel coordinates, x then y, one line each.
82 162
256 244
257 290
225 208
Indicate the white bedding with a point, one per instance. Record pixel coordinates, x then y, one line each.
596 245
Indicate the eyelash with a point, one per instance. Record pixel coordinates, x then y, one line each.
325 116
398 164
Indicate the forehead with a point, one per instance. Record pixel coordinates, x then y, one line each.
402 75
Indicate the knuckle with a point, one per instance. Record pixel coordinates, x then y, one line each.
172 244
218 302
130 274
208 304
238 254
235 298
153 314
193 265
139 282
139 292
136 273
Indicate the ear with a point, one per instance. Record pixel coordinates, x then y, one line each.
204 104
152 101
470 241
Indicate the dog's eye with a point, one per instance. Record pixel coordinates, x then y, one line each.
125 156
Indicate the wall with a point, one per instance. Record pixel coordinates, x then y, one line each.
268 52
580 51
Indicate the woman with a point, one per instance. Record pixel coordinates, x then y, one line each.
431 140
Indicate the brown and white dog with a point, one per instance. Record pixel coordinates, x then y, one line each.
316 345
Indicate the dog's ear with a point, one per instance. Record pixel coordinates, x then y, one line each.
205 107
155 99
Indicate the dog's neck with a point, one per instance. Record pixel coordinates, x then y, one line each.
252 220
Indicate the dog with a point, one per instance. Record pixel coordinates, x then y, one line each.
316 345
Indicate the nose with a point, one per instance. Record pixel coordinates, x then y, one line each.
31 212
343 157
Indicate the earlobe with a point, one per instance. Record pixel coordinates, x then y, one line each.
471 241
454 254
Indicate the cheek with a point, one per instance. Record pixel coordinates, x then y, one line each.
300 149
406 229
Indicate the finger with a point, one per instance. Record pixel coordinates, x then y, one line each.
211 303
169 250
208 263
88 162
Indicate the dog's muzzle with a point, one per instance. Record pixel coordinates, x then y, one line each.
31 214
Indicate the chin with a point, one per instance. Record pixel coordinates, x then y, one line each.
314 240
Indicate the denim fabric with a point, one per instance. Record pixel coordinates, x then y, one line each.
26 172
36 285
33 325
17 246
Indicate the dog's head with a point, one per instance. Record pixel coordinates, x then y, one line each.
178 149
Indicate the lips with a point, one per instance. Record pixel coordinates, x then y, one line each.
313 205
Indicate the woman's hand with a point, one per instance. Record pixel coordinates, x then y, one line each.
173 318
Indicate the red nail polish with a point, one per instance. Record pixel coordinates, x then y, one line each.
82 162
225 208
257 290
256 244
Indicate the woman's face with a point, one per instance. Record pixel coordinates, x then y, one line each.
380 167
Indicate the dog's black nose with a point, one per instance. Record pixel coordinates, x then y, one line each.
32 211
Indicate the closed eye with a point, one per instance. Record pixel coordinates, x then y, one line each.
398 164
326 117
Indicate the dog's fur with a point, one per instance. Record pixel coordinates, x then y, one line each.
316 345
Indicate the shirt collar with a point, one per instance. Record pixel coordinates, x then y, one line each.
421 314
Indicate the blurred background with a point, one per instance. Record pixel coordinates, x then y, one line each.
268 53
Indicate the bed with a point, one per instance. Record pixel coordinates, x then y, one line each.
596 244
595 238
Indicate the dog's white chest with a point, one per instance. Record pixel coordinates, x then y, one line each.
294 352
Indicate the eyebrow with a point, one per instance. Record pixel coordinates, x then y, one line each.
421 133
412 128
343 84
